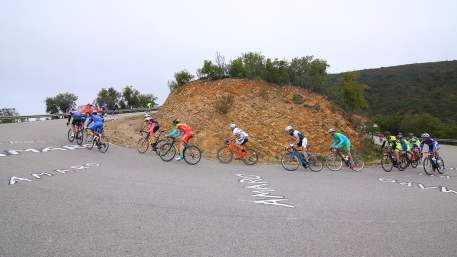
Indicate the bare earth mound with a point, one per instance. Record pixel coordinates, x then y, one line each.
261 109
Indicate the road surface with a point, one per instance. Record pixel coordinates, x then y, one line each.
57 200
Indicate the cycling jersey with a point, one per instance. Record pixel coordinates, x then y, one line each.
302 140
242 137
392 142
77 117
415 142
181 129
341 141
405 144
432 145
98 123
153 126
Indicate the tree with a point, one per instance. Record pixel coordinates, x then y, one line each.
144 99
109 96
308 72
277 71
211 71
133 98
181 78
61 103
352 92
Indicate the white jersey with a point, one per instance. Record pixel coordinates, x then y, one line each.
240 133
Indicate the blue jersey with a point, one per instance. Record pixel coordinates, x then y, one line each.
97 119
432 144
339 140
76 115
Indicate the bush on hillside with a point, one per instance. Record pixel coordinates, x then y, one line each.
224 103
181 78
298 99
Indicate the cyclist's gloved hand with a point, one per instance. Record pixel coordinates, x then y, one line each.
68 123
291 145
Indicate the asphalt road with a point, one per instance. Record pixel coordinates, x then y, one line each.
125 204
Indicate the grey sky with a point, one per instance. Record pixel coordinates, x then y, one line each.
48 47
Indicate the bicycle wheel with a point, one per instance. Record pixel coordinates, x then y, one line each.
333 162
415 162
289 162
315 162
79 137
427 164
92 143
440 165
103 144
404 162
251 157
167 152
387 163
192 154
357 162
224 154
71 135
142 145
156 146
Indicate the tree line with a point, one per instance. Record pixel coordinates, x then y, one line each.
127 98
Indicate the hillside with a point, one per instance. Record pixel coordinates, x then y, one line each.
412 88
261 109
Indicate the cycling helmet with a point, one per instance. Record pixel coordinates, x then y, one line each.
425 135
289 128
146 115
175 121
331 130
400 135
232 126
387 133
411 134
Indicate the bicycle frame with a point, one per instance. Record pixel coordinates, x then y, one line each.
236 151
300 155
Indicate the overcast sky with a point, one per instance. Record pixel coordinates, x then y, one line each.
48 47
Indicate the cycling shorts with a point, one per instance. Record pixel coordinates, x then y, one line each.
242 141
187 136
77 122
153 129
97 127
345 146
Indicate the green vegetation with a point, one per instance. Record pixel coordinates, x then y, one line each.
224 103
60 103
129 98
306 72
414 97
298 99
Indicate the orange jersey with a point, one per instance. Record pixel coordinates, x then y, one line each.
184 128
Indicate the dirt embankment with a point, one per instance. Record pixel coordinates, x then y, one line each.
261 109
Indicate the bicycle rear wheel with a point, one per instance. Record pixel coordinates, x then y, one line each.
167 152
289 162
92 143
103 144
79 137
251 157
192 154
357 163
156 146
71 135
440 165
224 154
404 162
333 162
315 162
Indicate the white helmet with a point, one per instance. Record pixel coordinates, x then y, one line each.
288 128
232 126
331 130
425 135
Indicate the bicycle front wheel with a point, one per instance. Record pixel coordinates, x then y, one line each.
71 135
224 154
289 162
251 157
428 166
142 145
192 154
440 165
315 163
387 163
333 162
167 152
157 145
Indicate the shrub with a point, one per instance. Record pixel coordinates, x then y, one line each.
264 94
181 78
298 99
224 103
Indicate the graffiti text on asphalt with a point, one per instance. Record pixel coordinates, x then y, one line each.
418 185
38 175
42 150
261 189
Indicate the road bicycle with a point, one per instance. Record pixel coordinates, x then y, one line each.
100 141
388 160
291 159
147 141
78 134
433 163
225 154
191 153
334 161
416 157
